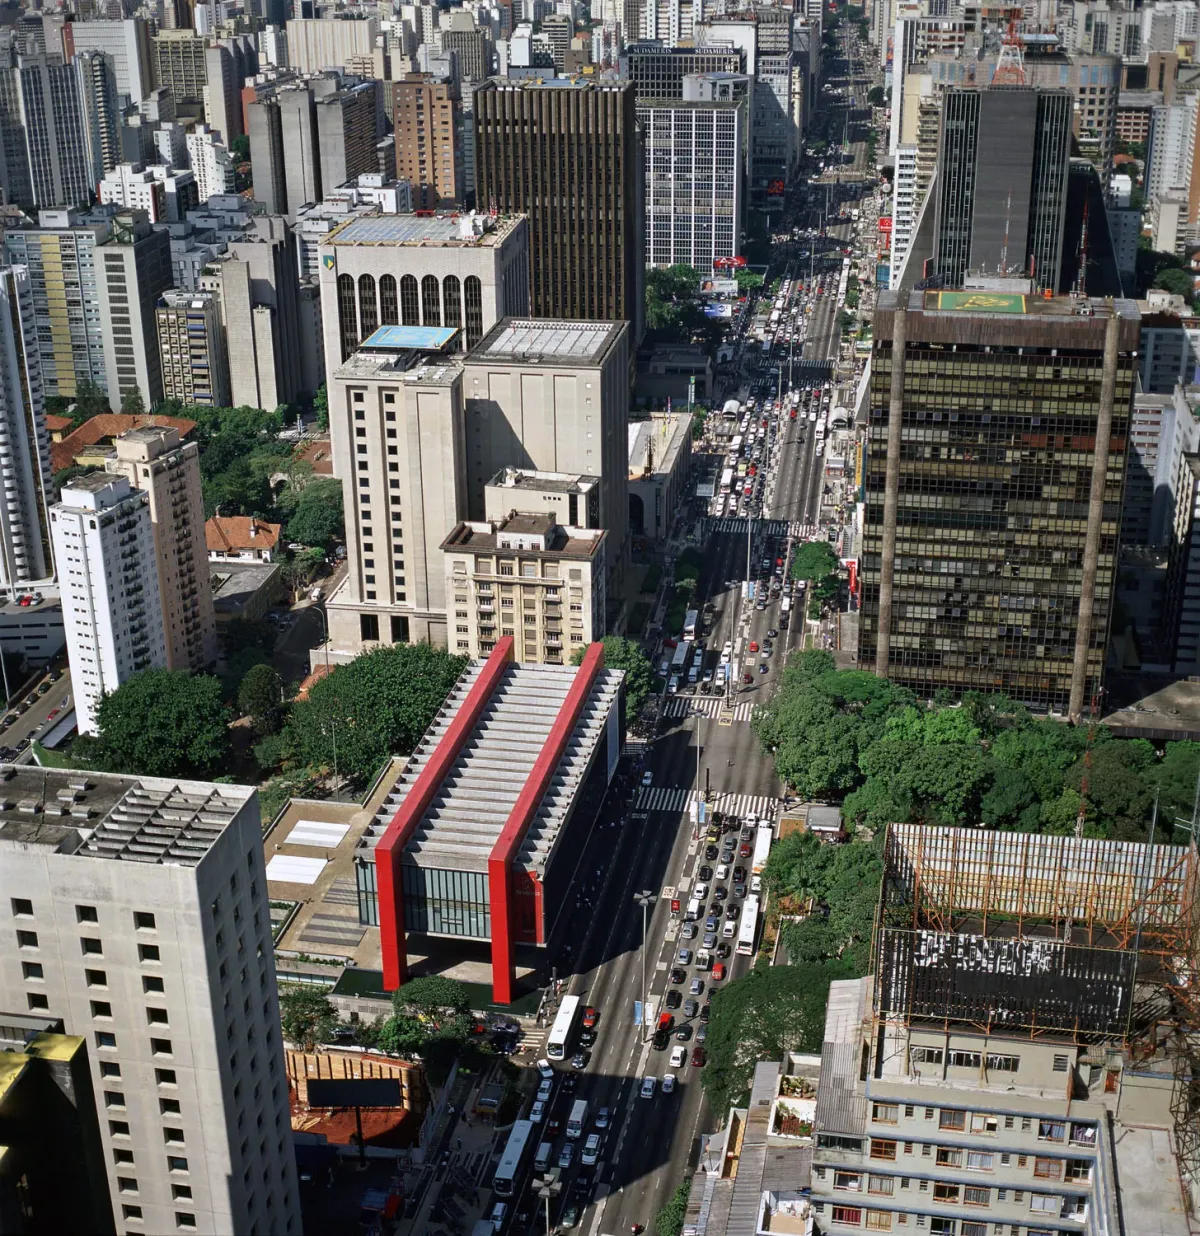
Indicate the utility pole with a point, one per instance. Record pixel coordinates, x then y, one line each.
645 899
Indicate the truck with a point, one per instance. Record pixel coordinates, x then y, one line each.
577 1120
763 836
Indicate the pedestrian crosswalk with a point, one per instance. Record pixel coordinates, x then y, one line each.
676 799
763 527
711 706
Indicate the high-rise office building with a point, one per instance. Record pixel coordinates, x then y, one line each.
105 557
191 344
179 64
569 155
62 253
994 472
101 114
657 71
223 101
57 146
694 181
318 43
264 127
301 147
470 44
427 115
346 134
136 911
154 458
133 271
1002 193
1172 154
127 41
24 443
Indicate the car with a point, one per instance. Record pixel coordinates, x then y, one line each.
678 1057
544 1068
648 1086
647 778
719 894
570 1081
691 1008
710 851
744 850
762 669
569 1217
52 714
705 873
722 873
754 645
700 891
724 951
698 1058
677 975
537 1113
739 874
603 1116
683 1033
772 634
545 1090
710 939
689 931
591 1150
673 998
591 1016
696 987
587 1038
711 923
701 1034
705 1011
566 1156
553 1127
739 890
732 910
579 1060
718 972
668 1084
684 956
499 1215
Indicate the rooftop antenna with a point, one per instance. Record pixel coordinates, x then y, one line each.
1010 68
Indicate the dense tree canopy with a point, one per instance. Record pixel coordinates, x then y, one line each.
627 655
851 737
376 706
314 513
260 697
163 723
307 1015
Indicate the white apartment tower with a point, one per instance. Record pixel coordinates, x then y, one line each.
24 442
104 550
135 909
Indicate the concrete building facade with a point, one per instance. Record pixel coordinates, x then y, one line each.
427 113
137 913
157 461
191 345
105 556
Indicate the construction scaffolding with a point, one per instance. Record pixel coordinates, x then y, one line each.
1017 932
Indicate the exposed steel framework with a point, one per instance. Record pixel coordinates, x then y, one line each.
1037 934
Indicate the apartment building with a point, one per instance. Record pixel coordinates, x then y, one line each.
101 113
127 42
24 441
427 113
995 1073
191 343
135 909
134 187
104 553
179 65
526 576
155 459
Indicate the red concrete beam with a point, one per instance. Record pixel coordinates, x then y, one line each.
500 891
389 887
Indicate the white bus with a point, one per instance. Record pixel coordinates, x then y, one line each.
563 1028
726 480
748 928
513 1159
689 623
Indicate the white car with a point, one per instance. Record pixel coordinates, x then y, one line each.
647 778
722 873
727 651
602 1118
700 890
669 1081
499 1214
678 1057
544 1090
591 1150
544 1068
537 1113
648 1085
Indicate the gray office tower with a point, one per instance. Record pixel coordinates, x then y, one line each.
1003 159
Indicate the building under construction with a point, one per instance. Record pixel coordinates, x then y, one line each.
1022 1058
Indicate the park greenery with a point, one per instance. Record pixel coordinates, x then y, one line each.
627 655
669 1220
683 598
816 562
675 308
848 737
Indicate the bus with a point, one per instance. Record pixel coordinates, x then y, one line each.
726 480
748 928
679 662
508 1170
563 1028
735 447
689 623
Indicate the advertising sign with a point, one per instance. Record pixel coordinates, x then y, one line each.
885 224
718 309
718 287
729 263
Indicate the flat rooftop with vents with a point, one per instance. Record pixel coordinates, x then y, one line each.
452 230
533 341
468 842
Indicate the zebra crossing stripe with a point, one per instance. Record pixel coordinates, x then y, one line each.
712 707
678 799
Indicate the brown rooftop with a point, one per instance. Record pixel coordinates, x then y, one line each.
107 426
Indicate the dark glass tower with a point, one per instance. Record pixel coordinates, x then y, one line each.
994 475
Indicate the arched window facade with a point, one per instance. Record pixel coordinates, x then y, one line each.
452 300
410 310
431 301
473 296
389 305
347 316
368 315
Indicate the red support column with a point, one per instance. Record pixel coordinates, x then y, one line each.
500 892
389 888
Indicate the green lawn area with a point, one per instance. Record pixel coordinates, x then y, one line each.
50 759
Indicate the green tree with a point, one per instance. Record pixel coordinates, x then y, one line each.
627 655
321 407
132 402
814 560
240 146
433 998
307 1015
876 96
89 401
1179 282
317 517
379 704
260 697
163 723
669 1220
401 1036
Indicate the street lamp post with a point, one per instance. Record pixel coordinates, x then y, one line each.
549 1187
645 899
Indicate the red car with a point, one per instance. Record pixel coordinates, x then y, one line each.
718 972
754 645
744 850
590 1017
698 1057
